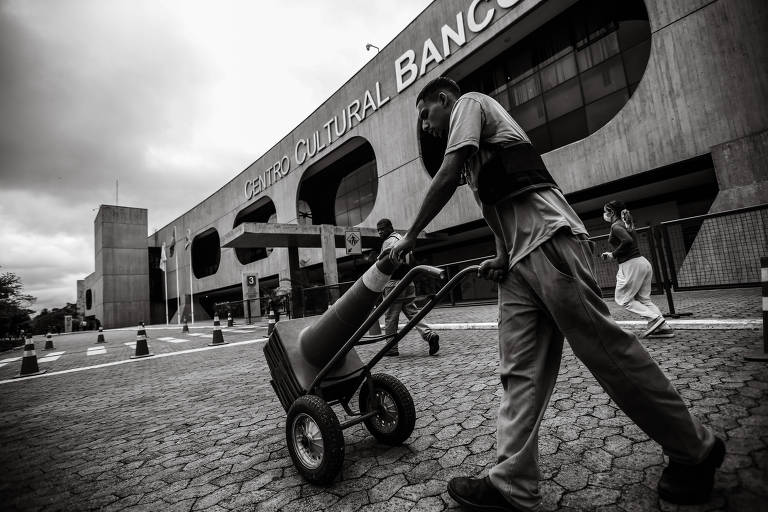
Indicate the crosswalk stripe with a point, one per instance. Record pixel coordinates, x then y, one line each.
92 351
50 357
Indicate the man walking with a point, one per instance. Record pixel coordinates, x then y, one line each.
404 302
547 291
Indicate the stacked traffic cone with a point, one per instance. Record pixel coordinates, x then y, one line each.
270 321
218 338
185 328
230 322
142 350
100 337
29 362
48 341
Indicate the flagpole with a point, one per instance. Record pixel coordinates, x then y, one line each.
178 291
165 273
191 292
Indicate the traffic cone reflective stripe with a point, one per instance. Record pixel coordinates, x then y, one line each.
270 321
48 341
100 337
29 361
218 338
142 350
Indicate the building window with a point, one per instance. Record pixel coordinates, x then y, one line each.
206 253
88 299
571 76
355 196
262 210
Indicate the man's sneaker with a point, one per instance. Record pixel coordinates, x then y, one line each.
392 352
478 494
434 343
686 484
665 331
653 325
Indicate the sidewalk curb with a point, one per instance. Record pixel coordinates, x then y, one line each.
724 324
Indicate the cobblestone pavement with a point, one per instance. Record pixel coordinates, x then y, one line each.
203 430
705 304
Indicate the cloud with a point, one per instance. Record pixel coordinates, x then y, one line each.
171 98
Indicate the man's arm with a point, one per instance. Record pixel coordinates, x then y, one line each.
440 191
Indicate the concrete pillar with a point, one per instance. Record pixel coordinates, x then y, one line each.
330 268
292 275
741 167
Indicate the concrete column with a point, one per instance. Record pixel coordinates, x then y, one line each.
741 167
330 268
292 274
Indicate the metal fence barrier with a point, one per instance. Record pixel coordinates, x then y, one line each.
719 250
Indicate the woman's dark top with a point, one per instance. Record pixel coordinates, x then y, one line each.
624 242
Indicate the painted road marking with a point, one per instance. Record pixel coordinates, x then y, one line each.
50 357
197 334
8 360
156 356
93 351
172 340
131 344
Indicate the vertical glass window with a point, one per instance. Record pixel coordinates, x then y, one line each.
635 60
602 110
355 196
603 79
530 115
563 98
559 72
573 74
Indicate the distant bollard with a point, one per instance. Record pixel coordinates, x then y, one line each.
230 322
186 327
270 321
218 337
100 337
29 361
142 350
48 341
762 356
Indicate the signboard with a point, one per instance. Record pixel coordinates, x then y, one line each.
353 241
67 323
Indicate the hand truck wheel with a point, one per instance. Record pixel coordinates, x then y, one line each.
397 414
315 439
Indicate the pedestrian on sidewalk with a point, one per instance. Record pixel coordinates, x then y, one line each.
547 292
404 302
633 279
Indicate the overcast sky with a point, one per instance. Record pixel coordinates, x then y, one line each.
173 98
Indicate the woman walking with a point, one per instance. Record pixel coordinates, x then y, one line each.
633 279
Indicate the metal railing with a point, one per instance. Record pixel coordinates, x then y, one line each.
718 250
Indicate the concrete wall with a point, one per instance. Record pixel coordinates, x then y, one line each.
121 280
704 87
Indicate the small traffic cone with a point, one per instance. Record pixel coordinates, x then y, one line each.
270 321
230 322
48 341
29 362
185 328
100 337
218 338
142 350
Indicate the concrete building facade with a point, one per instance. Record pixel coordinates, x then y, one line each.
657 102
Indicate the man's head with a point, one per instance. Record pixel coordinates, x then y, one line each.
434 104
384 227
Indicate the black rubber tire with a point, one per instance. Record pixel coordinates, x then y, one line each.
323 469
389 428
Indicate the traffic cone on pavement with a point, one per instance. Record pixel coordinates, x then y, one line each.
29 361
230 322
270 321
100 337
48 341
142 350
186 327
218 338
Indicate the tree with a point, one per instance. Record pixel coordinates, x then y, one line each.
14 305
48 320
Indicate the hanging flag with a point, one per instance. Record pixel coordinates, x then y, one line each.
188 239
173 241
162 257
